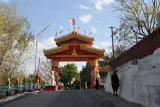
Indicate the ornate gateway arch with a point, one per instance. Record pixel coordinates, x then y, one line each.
74 47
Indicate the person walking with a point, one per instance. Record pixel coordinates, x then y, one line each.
97 84
115 82
86 85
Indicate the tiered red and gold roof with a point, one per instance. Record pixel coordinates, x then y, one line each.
74 45
76 36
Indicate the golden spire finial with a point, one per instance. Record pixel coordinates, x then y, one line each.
8 79
74 27
17 79
74 51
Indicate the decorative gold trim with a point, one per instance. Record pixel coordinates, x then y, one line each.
74 56
55 50
54 63
92 74
94 63
56 74
84 44
71 35
92 49
74 51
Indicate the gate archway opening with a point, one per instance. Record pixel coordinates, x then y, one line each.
74 47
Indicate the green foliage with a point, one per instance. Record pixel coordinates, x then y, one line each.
104 61
67 73
15 38
77 78
124 36
17 75
32 78
85 74
138 19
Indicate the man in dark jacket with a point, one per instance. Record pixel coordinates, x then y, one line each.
115 83
97 84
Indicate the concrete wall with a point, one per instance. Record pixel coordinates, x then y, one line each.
140 83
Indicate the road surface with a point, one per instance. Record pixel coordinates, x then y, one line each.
71 98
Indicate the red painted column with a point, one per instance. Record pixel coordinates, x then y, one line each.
55 65
94 68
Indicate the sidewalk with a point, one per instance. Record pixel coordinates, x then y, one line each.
116 100
15 97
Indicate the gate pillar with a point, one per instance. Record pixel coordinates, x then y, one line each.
94 68
54 67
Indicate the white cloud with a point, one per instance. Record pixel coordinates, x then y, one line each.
93 29
95 46
100 3
105 44
45 44
102 45
86 18
84 7
60 27
6 1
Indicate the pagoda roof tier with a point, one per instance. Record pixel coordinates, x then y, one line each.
74 35
55 50
74 51
92 50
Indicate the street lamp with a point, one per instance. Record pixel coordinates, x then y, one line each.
37 44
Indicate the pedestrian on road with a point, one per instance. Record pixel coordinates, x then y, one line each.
86 85
97 84
115 82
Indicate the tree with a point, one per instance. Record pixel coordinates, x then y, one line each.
45 70
137 17
104 61
85 74
18 75
15 38
67 73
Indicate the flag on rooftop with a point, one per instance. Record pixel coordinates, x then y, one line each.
78 27
90 33
56 34
85 32
71 20
61 31
68 28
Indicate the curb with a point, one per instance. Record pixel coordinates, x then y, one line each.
18 97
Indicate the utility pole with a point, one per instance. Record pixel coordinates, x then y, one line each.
39 64
37 44
112 40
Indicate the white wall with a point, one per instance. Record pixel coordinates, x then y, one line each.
140 83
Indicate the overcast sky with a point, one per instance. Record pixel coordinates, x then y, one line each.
94 16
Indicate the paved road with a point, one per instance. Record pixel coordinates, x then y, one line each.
71 98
